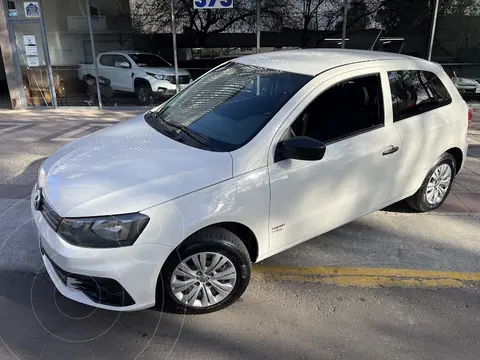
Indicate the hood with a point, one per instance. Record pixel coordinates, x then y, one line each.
165 71
465 81
126 168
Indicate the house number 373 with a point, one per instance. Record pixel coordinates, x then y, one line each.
212 4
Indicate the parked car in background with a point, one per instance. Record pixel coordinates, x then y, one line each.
467 86
147 75
259 155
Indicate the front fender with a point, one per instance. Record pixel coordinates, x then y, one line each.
244 199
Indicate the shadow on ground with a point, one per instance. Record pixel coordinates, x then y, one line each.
274 320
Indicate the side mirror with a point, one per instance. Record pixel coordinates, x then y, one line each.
123 65
300 148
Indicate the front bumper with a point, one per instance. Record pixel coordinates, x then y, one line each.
121 279
165 88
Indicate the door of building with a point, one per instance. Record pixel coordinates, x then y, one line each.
31 63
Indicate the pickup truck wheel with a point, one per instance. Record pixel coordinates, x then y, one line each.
208 272
144 94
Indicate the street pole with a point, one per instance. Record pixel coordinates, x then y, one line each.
259 3
432 32
344 27
375 42
174 36
89 17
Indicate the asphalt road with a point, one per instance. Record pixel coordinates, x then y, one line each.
276 318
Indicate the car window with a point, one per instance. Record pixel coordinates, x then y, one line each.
350 107
415 92
226 107
106 60
117 59
149 60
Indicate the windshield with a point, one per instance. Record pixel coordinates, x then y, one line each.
230 105
149 60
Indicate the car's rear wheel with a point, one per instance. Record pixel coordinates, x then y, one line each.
208 272
436 186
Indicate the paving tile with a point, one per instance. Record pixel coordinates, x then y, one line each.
9 191
453 204
471 201
469 180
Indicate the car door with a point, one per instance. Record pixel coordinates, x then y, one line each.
123 73
106 69
357 172
418 98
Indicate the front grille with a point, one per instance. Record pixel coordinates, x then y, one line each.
52 218
99 290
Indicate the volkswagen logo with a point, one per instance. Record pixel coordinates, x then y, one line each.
37 200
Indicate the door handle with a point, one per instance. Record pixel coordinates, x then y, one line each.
393 149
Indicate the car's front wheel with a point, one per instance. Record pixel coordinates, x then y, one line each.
144 93
436 186
208 272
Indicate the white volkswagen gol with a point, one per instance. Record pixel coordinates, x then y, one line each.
258 155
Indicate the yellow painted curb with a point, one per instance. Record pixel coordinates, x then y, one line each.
367 277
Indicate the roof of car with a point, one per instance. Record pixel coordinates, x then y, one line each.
315 61
126 52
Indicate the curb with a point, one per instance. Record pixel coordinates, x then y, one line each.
368 277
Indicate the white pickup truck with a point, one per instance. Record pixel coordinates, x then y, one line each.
147 75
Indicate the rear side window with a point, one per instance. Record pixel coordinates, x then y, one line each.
415 92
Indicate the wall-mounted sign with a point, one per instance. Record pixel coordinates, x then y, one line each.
212 4
31 50
29 40
31 9
33 61
12 13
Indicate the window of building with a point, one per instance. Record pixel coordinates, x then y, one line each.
93 11
415 92
348 108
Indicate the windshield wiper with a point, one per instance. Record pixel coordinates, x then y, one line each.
192 134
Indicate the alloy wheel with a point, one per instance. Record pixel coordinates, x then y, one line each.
438 184
143 95
203 279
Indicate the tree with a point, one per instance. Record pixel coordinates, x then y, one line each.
401 16
153 16
459 22
356 16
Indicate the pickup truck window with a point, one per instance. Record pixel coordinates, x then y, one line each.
106 60
226 107
149 60
113 60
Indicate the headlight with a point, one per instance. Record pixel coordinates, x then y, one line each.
41 177
103 232
157 76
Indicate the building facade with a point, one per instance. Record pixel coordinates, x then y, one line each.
50 48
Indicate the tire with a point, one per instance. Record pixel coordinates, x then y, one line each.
212 242
420 200
143 93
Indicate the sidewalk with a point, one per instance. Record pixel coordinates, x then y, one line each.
27 137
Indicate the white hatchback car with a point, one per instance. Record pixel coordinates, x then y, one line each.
258 155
